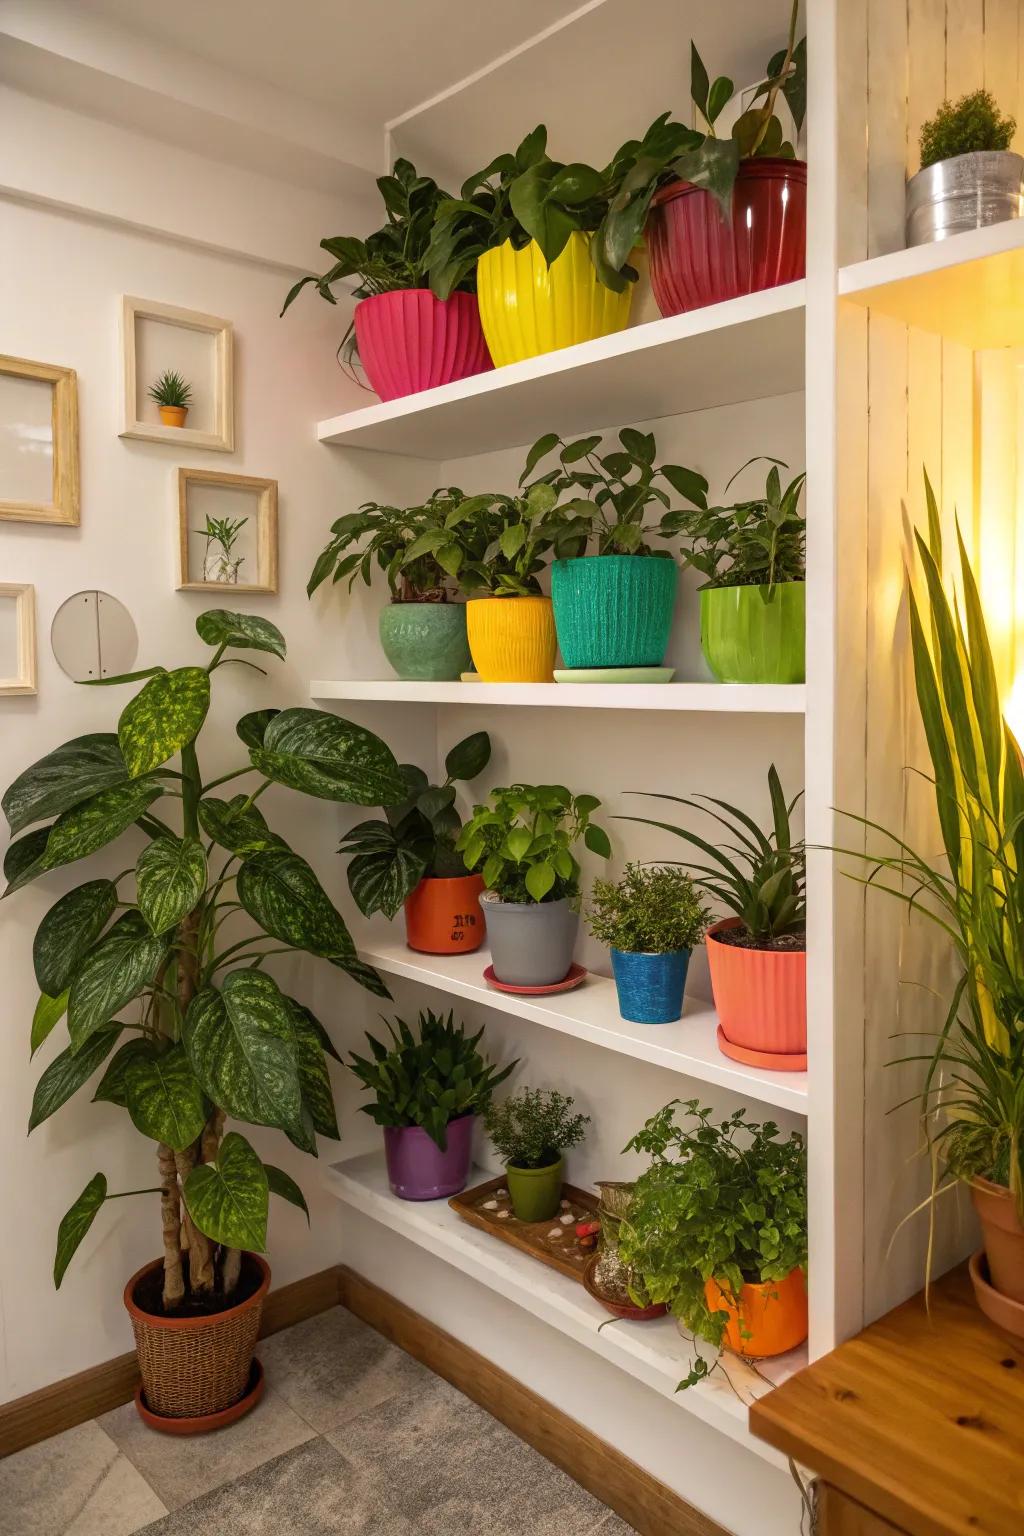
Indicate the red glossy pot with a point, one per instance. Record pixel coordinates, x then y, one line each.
410 341
698 257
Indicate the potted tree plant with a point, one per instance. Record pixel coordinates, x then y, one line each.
614 607
969 176
427 1092
211 1035
173 396
531 1132
650 919
721 216
410 858
717 1229
752 557
521 841
757 957
414 327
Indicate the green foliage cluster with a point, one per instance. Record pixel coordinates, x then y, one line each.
171 389
411 545
759 542
388 859
652 910
429 1081
964 127
521 841
533 1127
223 531
725 1201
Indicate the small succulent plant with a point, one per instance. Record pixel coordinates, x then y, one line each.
171 389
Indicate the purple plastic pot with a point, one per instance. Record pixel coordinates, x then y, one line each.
419 1170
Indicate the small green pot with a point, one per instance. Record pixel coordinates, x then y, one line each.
535 1192
425 642
749 637
614 610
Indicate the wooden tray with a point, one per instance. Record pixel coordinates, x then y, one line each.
532 1237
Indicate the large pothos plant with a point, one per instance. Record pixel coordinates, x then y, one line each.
190 1025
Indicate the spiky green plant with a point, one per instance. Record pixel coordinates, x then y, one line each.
171 389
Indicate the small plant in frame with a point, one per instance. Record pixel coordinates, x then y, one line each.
173 396
219 563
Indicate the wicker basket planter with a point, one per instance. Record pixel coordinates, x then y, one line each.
195 1367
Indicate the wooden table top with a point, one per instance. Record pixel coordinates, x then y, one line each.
920 1418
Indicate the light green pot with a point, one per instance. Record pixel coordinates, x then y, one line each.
425 642
749 637
535 1192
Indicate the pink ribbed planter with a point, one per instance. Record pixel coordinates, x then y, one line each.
761 998
410 341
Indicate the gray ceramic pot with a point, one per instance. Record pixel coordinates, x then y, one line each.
531 942
965 192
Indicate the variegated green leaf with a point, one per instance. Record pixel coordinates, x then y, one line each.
283 1185
253 727
229 1199
76 1223
66 1074
281 892
364 974
321 754
163 1097
63 778
162 718
48 1013
241 1043
69 929
112 1086
96 822
233 826
23 861
241 631
118 969
314 1078
170 878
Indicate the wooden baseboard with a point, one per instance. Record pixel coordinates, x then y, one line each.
640 1499
72 1401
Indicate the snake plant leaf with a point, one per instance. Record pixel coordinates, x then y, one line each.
48 1013
170 878
23 861
321 754
279 891
63 778
85 828
75 1223
162 718
112 1087
253 727
118 969
228 1199
163 1097
314 1078
237 826
241 1043
242 631
283 1185
67 1072
68 931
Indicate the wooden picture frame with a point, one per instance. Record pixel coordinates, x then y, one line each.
24 681
63 507
221 438
264 495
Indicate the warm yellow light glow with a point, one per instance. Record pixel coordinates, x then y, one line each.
1013 709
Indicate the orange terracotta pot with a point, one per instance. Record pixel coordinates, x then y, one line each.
444 916
173 415
769 1319
761 998
1004 1237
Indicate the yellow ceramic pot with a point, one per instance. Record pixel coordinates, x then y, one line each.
527 307
512 639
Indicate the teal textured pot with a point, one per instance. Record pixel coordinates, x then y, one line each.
749 637
425 642
614 610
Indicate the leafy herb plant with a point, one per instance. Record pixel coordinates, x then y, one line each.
414 546
759 542
171 389
180 937
723 1201
429 1081
521 841
533 1127
652 910
389 858
963 128
495 545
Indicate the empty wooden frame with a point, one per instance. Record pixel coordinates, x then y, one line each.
157 337
205 495
38 442
17 638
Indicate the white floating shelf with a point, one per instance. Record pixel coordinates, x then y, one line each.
969 288
700 698
689 362
591 1012
654 1353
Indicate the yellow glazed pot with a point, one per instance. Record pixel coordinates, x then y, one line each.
512 639
527 307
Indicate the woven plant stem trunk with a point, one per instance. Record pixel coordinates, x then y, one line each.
200 1249
230 1269
170 1212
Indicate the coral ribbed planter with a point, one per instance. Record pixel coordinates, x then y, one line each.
410 340
527 307
512 639
748 636
770 1319
444 916
761 998
698 257
418 1169
1004 1237
425 642
614 610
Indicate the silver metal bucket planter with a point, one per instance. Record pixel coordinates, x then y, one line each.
966 192
531 942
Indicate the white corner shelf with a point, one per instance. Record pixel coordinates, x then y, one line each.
654 1353
699 698
689 362
591 1012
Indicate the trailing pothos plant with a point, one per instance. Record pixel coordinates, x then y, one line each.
209 1035
413 546
495 545
416 841
755 543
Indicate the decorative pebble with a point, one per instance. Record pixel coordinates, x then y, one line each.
502 1194
566 1205
567 1220
555 1232
503 1215
490 1205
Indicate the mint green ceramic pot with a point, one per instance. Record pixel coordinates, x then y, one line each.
614 610
425 642
749 636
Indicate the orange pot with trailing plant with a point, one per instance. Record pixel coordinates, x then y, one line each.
766 1318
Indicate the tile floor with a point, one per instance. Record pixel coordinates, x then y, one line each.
352 1438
